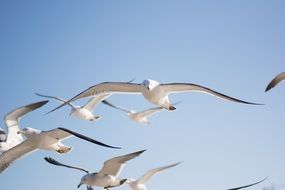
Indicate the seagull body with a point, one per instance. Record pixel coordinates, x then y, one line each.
12 119
280 77
107 177
44 140
141 116
152 90
82 112
140 183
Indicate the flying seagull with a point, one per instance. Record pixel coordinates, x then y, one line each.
44 140
107 177
280 77
153 91
140 183
12 120
141 116
83 112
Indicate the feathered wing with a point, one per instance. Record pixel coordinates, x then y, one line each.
115 165
94 101
114 106
66 133
245 186
150 173
12 120
149 112
61 100
280 77
105 88
189 87
54 162
18 151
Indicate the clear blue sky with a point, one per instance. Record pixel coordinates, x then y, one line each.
235 47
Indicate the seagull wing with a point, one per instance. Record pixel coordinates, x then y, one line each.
245 186
115 165
12 120
61 100
54 162
106 88
149 112
280 77
113 106
150 173
92 103
189 87
65 131
9 156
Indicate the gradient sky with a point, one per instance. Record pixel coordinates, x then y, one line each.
235 47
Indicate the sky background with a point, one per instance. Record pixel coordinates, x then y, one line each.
235 47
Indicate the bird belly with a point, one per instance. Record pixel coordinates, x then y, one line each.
45 142
156 96
104 181
136 186
83 114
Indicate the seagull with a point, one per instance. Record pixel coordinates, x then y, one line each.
107 177
280 77
82 112
245 186
12 119
141 116
152 90
44 140
140 183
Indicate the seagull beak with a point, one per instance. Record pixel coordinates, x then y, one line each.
79 185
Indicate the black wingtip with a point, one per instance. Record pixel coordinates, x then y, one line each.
88 138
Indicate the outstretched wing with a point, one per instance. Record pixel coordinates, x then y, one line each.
189 87
113 106
54 162
92 103
105 88
11 155
12 120
280 77
115 165
64 132
150 173
245 186
61 100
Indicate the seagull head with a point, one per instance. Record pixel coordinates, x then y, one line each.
86 179
28 131
150 84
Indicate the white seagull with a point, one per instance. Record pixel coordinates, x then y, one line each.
83 112
141 116
44 140
107 177
12 119
280 77
140 183
153 91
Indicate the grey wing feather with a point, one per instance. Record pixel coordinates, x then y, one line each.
11 155
150 111
113 106
86 138
280 77
114 166
152 172
54 162
105 88
188 87
56 98
245 186
94 101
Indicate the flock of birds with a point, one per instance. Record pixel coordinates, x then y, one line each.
17 142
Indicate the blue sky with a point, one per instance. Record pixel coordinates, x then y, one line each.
235 47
